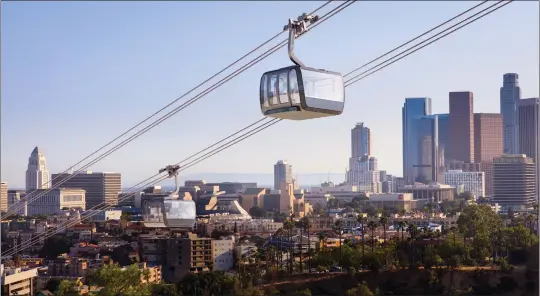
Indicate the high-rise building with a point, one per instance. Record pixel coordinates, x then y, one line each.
100 187
510 95
488 144
282 173
461 126
529 133
37 175
473 182
3 197
412 109
514 181
444 136
360 142
365 175
426 164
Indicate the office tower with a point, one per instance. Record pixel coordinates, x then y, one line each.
514 181
412 109
461 126
510 95
100 187
488 144
3 196
37 175
360 143
473 182
444 136
529 133
426 161
282 173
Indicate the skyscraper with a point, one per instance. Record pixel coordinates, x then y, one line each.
3 196
488 144
488 136
514 181
360 143
426 162
37 175
100 187
529 133
282 174
444 136
510 95
461 126
412 109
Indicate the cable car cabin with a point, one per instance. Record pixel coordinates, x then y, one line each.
300 93
173 213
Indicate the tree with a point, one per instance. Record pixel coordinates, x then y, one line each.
67 288
361 290
362 220
306 292
372 226
54 246
338 225
257 212
306 223
117 281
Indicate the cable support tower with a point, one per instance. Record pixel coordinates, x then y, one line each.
269 122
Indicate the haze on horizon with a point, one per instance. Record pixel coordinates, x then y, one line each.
77 74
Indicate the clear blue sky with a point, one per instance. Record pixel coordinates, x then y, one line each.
76 74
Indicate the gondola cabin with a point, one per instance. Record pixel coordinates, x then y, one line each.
299 93
172 213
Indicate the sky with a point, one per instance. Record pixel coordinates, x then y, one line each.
77 74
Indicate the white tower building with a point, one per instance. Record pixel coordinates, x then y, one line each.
37 175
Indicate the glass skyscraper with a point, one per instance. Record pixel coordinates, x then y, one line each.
413 109
510 95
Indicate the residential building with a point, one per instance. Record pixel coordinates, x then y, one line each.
4 203
100 187
18 281
222 250
15 196
510 94
473 182
514 181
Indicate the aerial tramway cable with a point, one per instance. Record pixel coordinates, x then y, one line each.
271 122
31 198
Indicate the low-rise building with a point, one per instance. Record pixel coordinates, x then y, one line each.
222 250
18 280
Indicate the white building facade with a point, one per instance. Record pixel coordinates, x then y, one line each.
57 199
223 254
473 182
37 175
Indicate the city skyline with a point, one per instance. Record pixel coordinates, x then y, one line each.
92 102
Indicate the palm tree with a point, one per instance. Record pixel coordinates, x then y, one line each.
300 226
307 225
289 226
338 225
402 226
413 231
322 240
362 220
372 226
384 220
